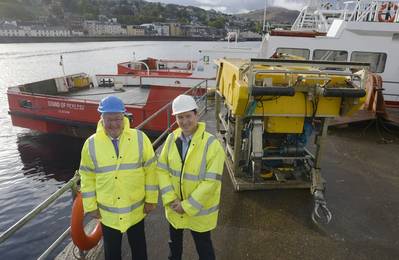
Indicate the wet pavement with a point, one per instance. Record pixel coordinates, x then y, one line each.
362 173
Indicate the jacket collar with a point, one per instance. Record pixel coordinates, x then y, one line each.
199 133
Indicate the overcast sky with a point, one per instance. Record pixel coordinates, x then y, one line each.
236 6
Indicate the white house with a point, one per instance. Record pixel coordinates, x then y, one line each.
10 30
96 28
41 31
157 29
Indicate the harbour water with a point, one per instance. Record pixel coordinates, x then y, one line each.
34 165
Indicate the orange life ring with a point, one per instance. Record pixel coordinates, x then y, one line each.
79 237
381 17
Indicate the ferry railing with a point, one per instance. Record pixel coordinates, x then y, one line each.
199 91
322 24
364 11
369 10
14 228
296 25
369 13
142 63
200 99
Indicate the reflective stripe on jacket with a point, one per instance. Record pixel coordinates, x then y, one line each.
196 182
118 186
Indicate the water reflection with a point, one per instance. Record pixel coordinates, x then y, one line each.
50 156
48 161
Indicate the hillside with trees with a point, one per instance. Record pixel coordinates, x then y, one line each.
56 12
274 15
19 10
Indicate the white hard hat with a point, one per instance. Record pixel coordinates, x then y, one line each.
183 103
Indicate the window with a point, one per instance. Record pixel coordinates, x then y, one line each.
305 53
330 55
377 60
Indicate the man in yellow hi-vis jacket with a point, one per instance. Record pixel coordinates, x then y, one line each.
119 183
190 170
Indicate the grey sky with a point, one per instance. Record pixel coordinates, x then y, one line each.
236 6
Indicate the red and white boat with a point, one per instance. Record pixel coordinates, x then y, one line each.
68 105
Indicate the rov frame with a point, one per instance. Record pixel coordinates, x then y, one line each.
245 153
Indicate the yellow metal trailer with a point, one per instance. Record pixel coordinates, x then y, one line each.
271 108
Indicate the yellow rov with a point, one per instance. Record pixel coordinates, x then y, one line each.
271 108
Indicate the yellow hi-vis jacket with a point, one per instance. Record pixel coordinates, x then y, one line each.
196 181
118 186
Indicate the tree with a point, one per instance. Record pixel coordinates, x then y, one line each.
218 22
70 5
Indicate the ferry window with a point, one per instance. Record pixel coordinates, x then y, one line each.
377 60
330 55
305 53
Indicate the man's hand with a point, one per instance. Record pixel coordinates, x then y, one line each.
94 214
176 206
148 207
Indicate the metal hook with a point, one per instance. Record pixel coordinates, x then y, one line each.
321 207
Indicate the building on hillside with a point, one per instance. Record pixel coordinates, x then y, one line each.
41 31
77 33
11 30
135 30
149 29
175 29
156 29
162 29
190 30
96 28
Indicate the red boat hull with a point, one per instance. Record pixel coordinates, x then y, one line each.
79 117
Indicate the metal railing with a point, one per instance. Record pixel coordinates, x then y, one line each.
199 91
194 92
317 16
14 228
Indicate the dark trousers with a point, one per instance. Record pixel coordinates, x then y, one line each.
113 242
203 244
